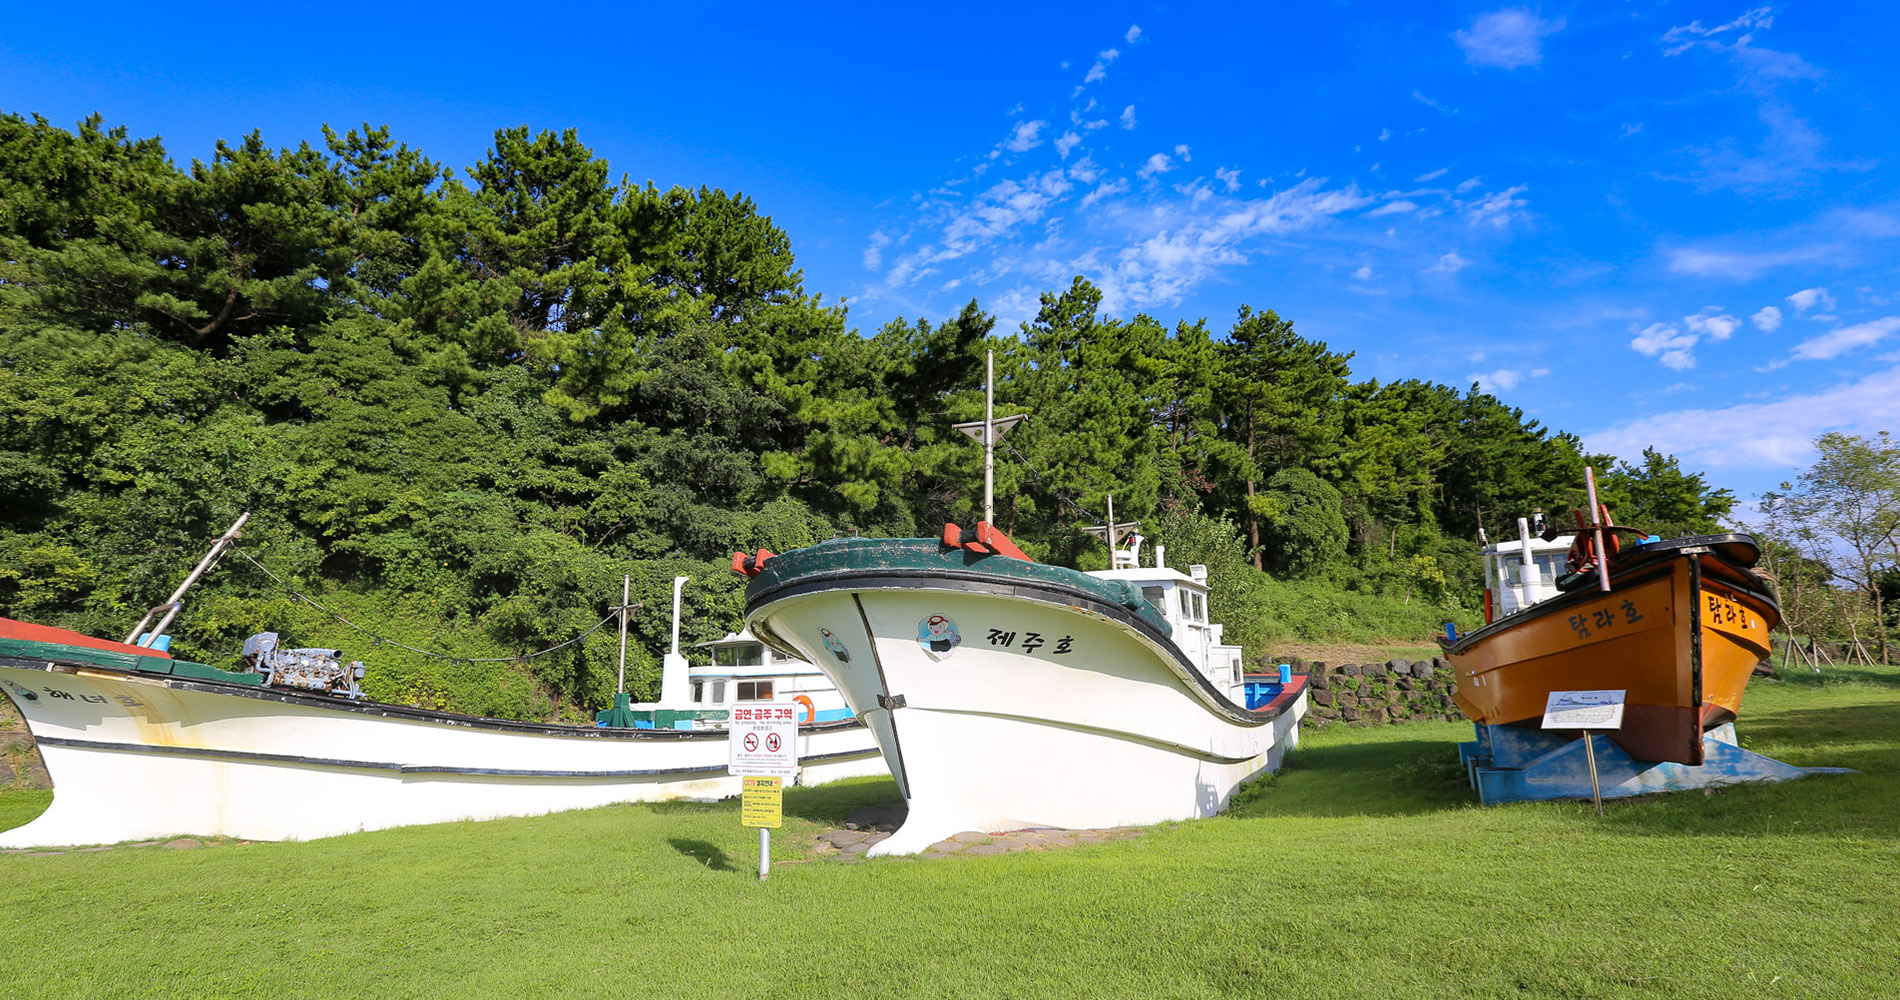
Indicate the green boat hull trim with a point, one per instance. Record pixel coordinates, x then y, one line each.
1008 694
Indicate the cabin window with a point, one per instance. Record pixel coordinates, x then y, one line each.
1200 607
718 692
755 690
1187 604
747 655
1157 597
699 692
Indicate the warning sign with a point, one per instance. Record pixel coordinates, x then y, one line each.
763 741
763 803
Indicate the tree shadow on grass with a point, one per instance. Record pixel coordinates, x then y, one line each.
710 855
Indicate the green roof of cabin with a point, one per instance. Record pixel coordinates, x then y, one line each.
856 557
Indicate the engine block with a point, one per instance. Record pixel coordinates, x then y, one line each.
319 670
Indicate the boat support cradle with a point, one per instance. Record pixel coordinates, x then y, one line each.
1507 764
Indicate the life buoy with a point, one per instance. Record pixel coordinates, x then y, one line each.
811 711
1583 548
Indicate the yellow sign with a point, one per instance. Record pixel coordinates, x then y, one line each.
763 803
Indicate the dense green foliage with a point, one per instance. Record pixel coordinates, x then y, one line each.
461 406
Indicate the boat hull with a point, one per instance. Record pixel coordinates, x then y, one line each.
1002 731
1680 632
135 756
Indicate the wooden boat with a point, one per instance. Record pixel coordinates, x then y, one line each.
1680 628
141 745
1009 694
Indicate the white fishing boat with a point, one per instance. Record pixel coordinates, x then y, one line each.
140 745
1009 694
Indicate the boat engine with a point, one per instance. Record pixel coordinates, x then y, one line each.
320 670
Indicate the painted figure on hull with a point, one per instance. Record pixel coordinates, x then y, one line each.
832 643
939 636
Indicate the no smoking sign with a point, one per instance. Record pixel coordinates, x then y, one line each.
763 741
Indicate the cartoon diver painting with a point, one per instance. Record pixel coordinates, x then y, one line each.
837 647
939 636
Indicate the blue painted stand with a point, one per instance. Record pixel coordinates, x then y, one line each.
1507 764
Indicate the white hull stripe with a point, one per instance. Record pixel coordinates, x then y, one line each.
366 765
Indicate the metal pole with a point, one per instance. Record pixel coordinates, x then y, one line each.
1590 752
989 440
173 604
765 852
626 582
1603 558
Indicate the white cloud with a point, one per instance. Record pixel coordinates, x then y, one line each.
1539 372
1808 298
1434 105
1385 134
1134 32
874 251
1712 324
1156 164
1099 71
1128 117
1777 434
1182 152
1023 138
1468 184
1838 342
1085 170
1066 142
1506 39
1630 129
1743 265
1498 208
1450 263
1674 345
1231 178
1497 381
1363 274
1109 190
1665 341
1434 175
1394 208
1767 320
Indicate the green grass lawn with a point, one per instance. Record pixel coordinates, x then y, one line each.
1363 870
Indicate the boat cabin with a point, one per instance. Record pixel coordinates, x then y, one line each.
1520 573
743 670
1182 599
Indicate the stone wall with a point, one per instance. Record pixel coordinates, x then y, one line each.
1369 694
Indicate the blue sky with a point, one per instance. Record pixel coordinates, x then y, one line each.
1653 224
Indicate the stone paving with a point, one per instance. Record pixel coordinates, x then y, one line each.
869 826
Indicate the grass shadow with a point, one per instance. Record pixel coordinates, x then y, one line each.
1401 771
710 855
834 802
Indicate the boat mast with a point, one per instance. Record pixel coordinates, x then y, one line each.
989 438
175 603
1596 526
987 430
625 595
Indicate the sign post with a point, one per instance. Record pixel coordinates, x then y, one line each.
763 749
1586 710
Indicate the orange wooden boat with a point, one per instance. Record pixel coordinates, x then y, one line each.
1680 629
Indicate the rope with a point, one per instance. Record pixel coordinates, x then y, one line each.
382 641
1058 492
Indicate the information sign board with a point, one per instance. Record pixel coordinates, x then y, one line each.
1584 710
764 741
763 803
